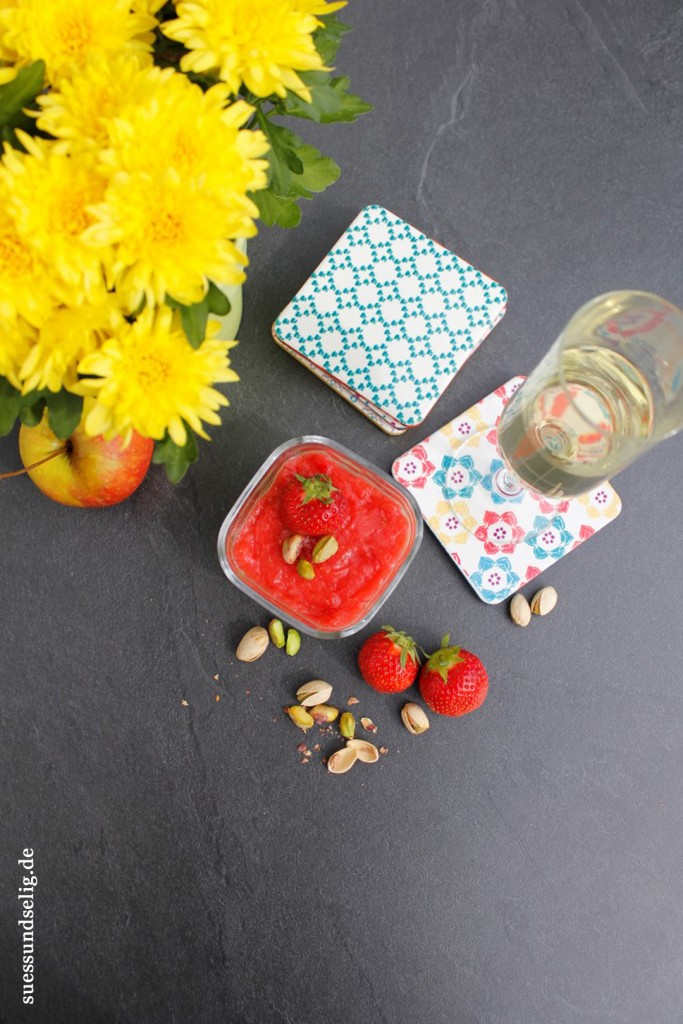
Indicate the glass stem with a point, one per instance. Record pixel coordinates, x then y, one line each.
508 483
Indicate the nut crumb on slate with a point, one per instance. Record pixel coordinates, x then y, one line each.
383 750
218 697
184 703
353 700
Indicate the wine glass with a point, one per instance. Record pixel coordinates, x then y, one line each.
609 389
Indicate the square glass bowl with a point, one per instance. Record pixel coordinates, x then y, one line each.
378 539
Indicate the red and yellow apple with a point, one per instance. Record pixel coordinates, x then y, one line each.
88 472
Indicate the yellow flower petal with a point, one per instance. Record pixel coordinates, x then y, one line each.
151 380
262 43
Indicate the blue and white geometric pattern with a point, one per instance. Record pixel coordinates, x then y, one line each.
391 316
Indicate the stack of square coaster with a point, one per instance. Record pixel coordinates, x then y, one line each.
388 319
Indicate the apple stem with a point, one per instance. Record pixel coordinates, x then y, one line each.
26 469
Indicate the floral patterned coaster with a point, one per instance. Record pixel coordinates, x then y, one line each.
510 542
388 318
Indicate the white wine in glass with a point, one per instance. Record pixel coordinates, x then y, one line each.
609 388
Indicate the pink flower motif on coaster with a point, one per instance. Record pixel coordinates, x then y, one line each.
584 533
414 468
532 572
549 508
500 533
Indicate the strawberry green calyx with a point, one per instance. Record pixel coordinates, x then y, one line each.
316 488
406 644
444 659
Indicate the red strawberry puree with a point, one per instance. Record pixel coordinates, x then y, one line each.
374 539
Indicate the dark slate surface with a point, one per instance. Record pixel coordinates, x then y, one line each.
521 866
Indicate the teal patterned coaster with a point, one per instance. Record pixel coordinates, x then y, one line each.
389 317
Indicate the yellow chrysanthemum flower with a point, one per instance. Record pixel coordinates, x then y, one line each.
261 43
149 378
146 6
16 338
50 196
63 340
196 134
80 112
8 56
24 275
64 33
170 237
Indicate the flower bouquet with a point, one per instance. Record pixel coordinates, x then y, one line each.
142 141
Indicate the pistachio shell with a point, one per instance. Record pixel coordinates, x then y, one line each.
365 750
342 760
368 725
414 719
544 601
520 612
315 692
253 644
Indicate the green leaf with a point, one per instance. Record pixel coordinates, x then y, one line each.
318 172
64 412
194 321
330 100
282 156
328 38
276 209
193 318
10 404
175 459
20 92
325 98
218 303
352 106
31 415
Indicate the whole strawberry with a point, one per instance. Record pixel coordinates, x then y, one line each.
453 681
312 504
388 661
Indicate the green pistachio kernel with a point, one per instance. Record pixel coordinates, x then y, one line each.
276 632
293 642
347 725
305 569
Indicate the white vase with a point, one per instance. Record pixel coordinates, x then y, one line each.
230 323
